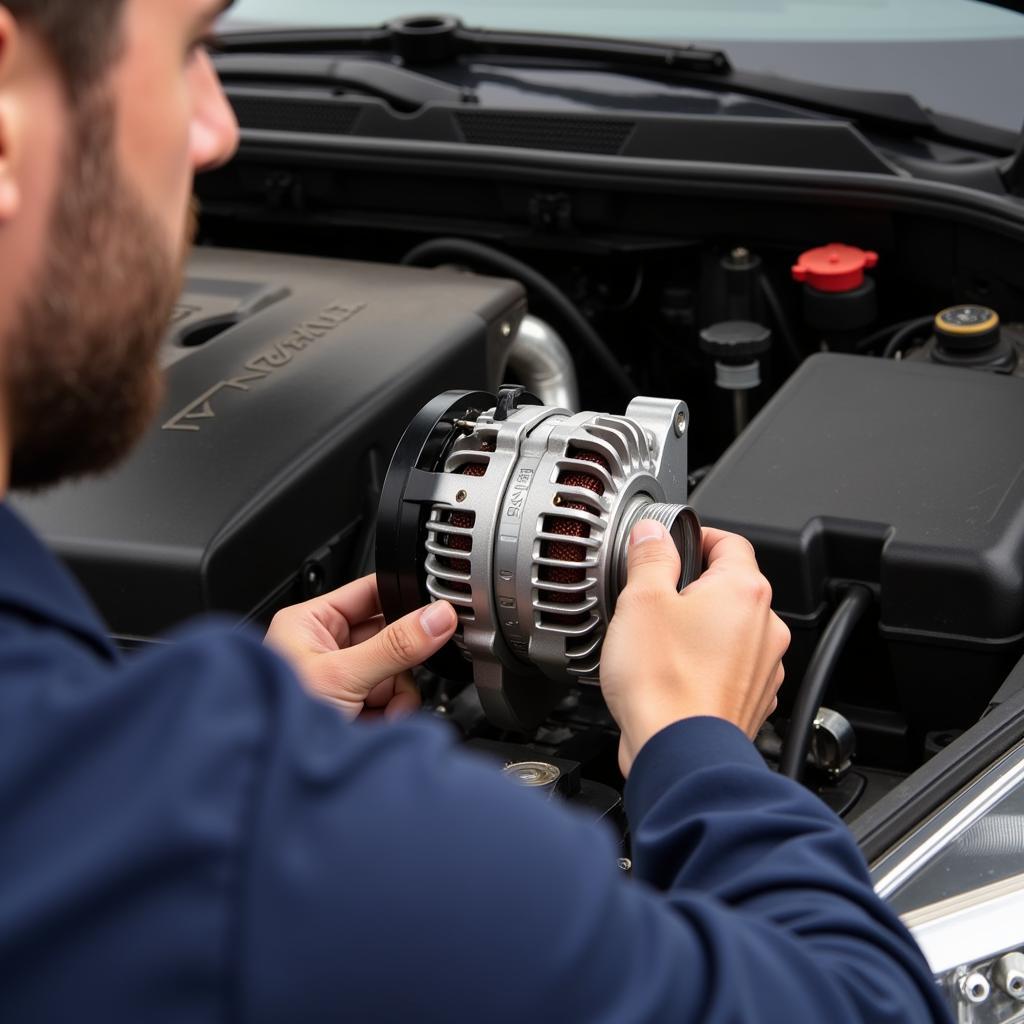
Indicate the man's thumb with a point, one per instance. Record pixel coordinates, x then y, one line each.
402 645
652 559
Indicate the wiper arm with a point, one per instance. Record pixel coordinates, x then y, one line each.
432 40
620 53
887 110
403 90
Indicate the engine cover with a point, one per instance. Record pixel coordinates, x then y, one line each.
289 381
909 478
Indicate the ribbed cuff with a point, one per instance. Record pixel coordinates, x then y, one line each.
681 748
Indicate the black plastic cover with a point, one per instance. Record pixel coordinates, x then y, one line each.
905 475
290 380
725 137
908 477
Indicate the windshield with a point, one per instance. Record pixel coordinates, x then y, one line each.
956 57
840 20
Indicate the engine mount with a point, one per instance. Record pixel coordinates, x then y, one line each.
519 514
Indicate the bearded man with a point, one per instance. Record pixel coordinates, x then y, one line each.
194 834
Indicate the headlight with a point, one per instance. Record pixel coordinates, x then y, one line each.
958 882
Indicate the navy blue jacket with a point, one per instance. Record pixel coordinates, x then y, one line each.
187 836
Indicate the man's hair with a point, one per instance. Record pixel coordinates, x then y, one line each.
82 35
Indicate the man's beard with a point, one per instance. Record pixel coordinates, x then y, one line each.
82 378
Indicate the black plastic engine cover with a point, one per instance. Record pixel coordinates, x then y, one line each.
290 381
905 476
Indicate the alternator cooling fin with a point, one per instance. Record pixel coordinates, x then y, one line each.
450 576
595 467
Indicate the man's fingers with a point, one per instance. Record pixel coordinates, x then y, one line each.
406 700
407 642
315 623
379 696
728 548
397 696
367 630
771 701
343 608
652 559
769 711
774 685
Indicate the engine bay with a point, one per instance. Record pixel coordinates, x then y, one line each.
847 348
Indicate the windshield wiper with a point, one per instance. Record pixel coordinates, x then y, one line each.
404 90
425 42
421 41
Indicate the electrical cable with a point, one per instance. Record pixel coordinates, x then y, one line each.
489 260
812 690
634 293
781 320
904 334
867 343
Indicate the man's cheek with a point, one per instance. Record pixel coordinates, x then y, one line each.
154 130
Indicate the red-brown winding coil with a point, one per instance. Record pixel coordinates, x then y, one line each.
567 551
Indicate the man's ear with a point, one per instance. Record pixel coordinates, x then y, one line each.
10 192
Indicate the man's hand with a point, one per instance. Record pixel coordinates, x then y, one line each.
342 650
715 649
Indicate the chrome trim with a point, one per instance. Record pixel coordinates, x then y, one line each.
948 823
970 927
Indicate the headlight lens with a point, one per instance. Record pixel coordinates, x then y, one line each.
958 883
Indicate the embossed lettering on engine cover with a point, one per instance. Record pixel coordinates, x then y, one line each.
262 366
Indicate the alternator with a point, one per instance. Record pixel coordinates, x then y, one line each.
519 515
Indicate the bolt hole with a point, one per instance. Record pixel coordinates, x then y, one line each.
207 330
680 423
975 988
462 496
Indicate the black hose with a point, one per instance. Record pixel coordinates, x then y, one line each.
782 326
904 334
493 261
696 478
866 344
812 690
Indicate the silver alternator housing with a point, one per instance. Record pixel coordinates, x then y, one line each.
519 515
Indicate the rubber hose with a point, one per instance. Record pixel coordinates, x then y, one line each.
492 261
781 320
867 343
904 334
811 694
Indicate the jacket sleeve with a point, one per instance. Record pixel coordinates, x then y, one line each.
389 876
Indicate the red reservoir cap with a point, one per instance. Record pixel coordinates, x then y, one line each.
834 267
